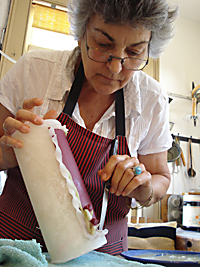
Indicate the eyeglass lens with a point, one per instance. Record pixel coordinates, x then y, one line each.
103 57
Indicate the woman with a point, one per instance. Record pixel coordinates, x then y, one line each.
115 40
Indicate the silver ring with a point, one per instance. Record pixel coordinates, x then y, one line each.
4 127
137 170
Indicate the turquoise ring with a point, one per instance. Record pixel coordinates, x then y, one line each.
137 170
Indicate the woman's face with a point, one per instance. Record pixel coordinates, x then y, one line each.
121 41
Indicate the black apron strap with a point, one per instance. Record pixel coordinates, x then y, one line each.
119 113
75 91
74 95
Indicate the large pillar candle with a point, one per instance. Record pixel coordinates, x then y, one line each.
54 195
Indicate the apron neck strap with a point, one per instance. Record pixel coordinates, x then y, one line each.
119 113
74 95
75 91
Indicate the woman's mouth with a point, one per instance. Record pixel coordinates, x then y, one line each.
110 78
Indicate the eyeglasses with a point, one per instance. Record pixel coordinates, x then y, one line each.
130 63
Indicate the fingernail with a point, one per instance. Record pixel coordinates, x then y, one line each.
117 193
25 129
112 190
38 119
123 193
104 176
19 145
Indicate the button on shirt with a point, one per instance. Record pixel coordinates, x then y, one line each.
49 75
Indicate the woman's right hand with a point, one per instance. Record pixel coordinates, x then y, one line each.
18 123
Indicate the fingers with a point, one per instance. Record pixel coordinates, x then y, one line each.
23 115
29 104
125 181
126 187
19 123
52 114
110 167
7 142
124 177
27 114
10 126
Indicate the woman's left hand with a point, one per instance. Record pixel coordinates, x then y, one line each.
124 180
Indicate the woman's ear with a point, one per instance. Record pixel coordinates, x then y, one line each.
82 39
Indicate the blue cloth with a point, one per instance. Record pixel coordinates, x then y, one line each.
20 253
99 259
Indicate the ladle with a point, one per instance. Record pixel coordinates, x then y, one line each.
191 171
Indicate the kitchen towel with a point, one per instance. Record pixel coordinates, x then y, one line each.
20 253
99 259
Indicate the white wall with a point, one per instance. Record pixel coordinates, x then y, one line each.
179 66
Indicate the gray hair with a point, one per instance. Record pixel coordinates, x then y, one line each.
154 15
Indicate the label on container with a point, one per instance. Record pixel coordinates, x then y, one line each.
191 210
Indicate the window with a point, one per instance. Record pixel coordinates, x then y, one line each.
48 28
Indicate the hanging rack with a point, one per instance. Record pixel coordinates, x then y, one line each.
186 139
179 96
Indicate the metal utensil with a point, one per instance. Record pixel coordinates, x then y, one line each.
174 152
191 171
113 151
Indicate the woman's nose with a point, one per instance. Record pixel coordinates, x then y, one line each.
115 65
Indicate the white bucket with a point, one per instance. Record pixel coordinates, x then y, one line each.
191 209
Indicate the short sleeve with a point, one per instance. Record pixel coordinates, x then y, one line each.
12 85
158 137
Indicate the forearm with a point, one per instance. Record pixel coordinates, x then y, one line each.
152 192
159 184
158 177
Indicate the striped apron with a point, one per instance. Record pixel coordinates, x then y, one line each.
91 152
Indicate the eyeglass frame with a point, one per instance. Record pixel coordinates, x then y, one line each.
111 55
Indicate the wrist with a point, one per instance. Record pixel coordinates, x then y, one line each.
141 204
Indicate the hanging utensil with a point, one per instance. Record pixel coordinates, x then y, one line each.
191 171
177 140
174 152
183 158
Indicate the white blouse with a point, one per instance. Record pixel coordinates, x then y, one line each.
50 74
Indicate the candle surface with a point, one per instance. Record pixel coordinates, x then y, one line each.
53 195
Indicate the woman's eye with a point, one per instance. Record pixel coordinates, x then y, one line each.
136 53
133 53
104 46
